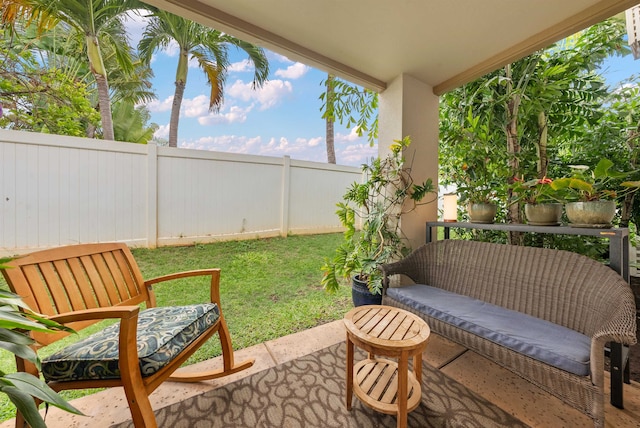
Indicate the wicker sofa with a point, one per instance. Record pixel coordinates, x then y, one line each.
544 314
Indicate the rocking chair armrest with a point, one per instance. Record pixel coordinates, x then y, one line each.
185 274
122 312
215 280
127 350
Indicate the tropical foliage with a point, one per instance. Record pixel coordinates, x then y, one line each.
601 183
51 86
350 105
21 388
537 191
99 24
535 117
379 202
70 69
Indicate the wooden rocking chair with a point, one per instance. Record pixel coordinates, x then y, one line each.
80 285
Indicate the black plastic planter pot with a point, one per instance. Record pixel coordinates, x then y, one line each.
361 295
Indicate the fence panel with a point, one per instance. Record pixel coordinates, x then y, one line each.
316 194
204 196
59 190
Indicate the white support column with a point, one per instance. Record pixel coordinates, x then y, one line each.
409 107
152 195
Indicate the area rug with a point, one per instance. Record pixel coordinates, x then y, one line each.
310 392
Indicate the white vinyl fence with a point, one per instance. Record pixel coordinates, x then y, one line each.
59 190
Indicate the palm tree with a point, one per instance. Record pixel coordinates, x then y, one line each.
99 22
63 49
208 47
131 123
329 121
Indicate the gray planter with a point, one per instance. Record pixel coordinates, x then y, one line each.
482 212
591 214
543 214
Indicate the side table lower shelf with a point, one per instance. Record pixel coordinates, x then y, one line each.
376 385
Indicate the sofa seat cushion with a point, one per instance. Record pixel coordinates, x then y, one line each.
542 340
162 335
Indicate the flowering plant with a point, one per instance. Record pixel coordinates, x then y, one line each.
599 184
537 191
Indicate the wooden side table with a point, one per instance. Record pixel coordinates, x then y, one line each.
382 384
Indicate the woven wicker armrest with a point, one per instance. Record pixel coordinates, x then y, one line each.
413 266
621 328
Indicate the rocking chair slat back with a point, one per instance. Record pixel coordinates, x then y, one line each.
68 279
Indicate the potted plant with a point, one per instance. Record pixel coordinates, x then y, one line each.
543 202
387 193
592 193
16 320
481 206
479 190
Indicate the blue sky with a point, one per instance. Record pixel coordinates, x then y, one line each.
282 118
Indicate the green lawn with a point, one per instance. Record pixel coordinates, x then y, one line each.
269 288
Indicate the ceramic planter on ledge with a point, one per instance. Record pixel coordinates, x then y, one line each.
548 214
482 212
591 214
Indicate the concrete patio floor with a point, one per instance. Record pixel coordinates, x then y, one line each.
506 390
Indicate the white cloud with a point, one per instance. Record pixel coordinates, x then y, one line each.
198 107
356 154
193 62
195 107
299 148
348 138
235 114
241 66
294 71
162 131
135 24
159 106
224 143
353 150
276 57
172 49
310 142
267 96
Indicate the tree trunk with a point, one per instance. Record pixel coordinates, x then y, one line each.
329 121
100 74
91 130
181 80
627 209
541 145
513 149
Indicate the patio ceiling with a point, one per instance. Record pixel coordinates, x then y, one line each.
442 43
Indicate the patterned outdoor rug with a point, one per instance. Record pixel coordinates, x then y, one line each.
310 392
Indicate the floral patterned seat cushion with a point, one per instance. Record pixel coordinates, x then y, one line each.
162 334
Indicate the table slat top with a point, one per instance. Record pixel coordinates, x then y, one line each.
387 327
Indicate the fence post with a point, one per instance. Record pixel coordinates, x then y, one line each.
152 195
286 184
